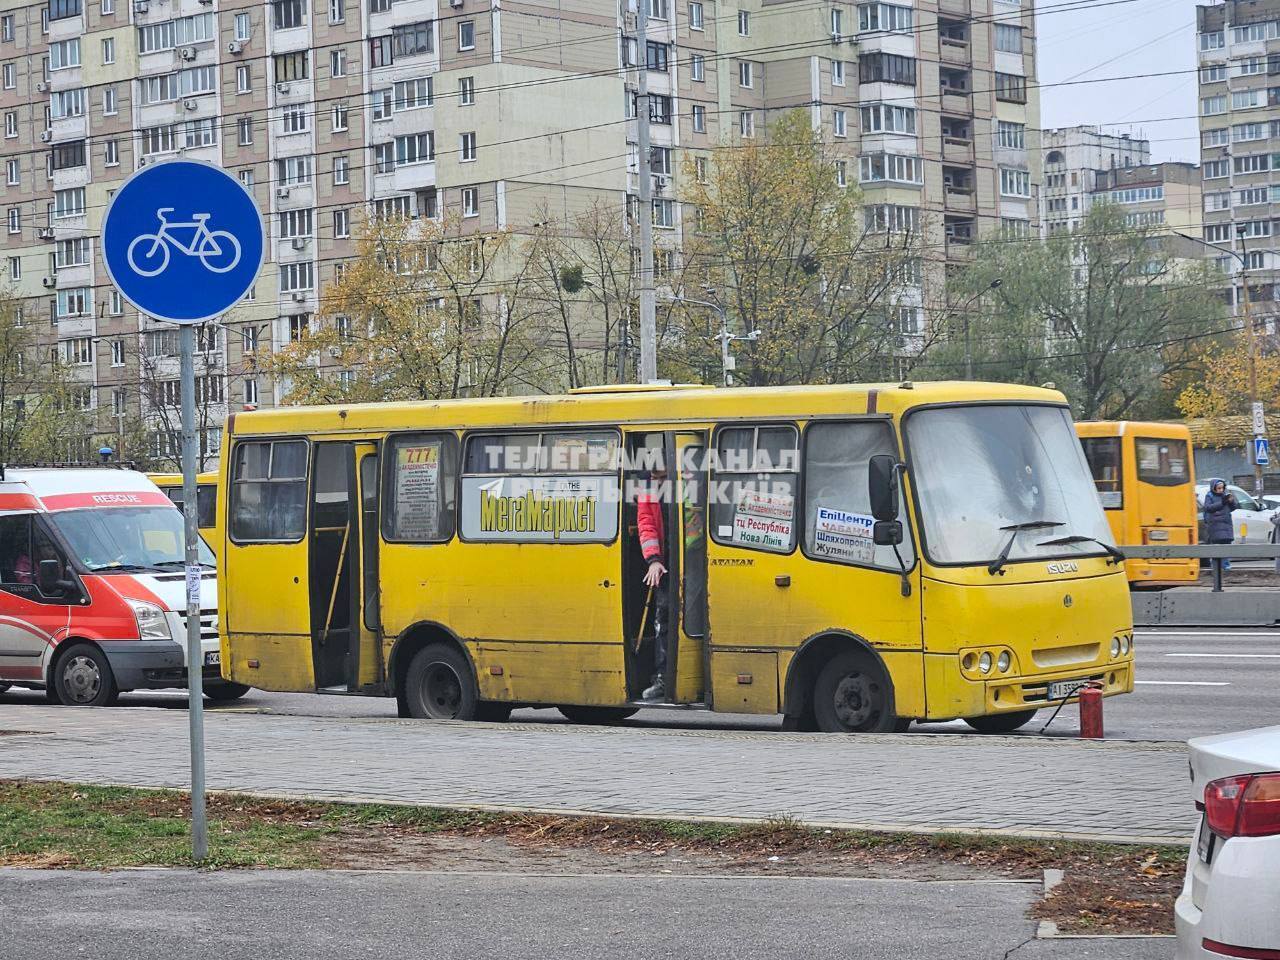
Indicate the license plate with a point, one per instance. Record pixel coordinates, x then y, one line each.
1204 846
1061 689
213 659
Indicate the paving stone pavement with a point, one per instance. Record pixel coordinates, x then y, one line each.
1104 790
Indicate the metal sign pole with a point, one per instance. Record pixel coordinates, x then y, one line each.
195 655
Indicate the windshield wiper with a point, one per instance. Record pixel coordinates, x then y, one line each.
1014 529
179 563
121 568
1113 553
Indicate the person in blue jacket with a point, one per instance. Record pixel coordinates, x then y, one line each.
1218 504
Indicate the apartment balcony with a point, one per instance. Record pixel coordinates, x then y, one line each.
961 8
957 149
959 199
952 50
956 101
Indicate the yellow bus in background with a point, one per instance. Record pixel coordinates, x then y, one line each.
206 504
853 557
1145 476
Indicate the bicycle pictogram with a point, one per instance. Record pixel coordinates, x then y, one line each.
218 250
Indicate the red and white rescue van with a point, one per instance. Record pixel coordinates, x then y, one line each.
92 587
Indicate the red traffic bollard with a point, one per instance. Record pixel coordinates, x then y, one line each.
1091 711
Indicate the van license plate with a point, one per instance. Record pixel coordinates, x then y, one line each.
1061 689
213 659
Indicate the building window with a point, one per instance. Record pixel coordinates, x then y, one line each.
1014 183
13 172
884 18
1008 38
291 66
244 78
697 67
466 35
1011 88
72 253
201 133
1211 106
744 73
65 54
471 201
341 170
73 302
467 144
244 127
747 124
15 268
384 157
111 153
68 203
842 173
296 276
1011 136
109 105
341 224
891 168
886 118
1214 169
115 306
242 27
117 352
412 39
337 11
405 95
246 178
10 72
287 14
699 118
294 119
15 220
838 125
744 23
294 170
664 212
657 56
11 124
837 73
887 68
696 16
6 28
339 117
251 390
337 63
416 148
467 91
109 50
1213 73
295 223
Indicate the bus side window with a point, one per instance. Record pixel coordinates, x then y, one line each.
420 488
268 491
837 506
755 487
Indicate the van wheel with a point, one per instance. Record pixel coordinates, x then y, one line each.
1001 722
225 690
83 678
438 685
853 695
599 716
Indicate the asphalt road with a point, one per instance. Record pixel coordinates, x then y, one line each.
51 915
1189 683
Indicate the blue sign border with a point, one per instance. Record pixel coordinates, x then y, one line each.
106 261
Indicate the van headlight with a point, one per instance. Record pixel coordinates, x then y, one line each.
152 622
1003 661
1115 647
984 663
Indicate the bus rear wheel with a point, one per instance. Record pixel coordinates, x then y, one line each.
599 716
1001 722
217 690
438 685
853 695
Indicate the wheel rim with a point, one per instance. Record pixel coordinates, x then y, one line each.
442 691
858 700
81 678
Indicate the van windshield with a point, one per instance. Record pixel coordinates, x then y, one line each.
985 475
121 539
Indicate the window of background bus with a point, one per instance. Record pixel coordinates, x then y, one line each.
269 491
1161 461
419 503
837 504
206 503
753 501
1103 454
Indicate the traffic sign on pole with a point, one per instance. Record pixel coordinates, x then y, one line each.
183 241
1261 451
1259 420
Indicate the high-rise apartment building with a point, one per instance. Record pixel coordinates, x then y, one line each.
493 114
1239 106
1077 161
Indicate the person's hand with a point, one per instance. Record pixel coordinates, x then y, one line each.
654 574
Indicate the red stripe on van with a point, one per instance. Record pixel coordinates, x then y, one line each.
128 498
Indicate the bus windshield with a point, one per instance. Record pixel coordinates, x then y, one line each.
987 475
1161 461
120 539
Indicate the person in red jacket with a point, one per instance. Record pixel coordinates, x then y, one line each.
653 547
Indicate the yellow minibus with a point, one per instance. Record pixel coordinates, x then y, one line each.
206 503
1145 476
852 557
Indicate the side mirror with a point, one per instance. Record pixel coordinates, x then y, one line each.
49 577
887 533
882 486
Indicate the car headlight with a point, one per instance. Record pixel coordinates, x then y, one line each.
152 622
1003 661
984 663
1115 646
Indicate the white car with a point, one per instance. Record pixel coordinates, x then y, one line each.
1251 519
1230 900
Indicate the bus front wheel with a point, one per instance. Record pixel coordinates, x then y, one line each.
438 685
1001 722
598 716
853 695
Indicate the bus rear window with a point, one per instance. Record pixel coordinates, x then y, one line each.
1103 454
1162 462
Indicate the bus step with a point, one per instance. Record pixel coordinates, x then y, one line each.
656 705
340 690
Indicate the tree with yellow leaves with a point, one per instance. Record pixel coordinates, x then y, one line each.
1224 389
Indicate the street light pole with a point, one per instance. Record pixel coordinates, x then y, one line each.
968 353
648 371
724 336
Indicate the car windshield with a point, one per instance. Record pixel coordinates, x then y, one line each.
126 538
980 472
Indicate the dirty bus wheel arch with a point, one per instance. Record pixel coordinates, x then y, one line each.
415 638
810 657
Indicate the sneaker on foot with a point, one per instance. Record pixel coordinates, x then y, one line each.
655 692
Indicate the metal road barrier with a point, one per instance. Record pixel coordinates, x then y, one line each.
1200 607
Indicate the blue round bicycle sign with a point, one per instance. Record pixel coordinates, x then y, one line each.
183 241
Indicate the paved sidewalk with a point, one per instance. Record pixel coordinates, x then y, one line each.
1109 790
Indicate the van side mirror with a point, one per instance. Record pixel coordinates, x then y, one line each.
49 577
882 487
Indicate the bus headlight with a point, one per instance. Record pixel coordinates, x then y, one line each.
1115 647
984 663
1124 644
1003 661
152 623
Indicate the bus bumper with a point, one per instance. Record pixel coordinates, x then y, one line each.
958 696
